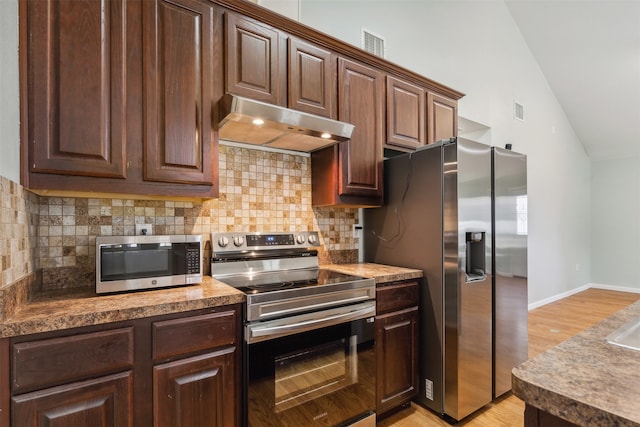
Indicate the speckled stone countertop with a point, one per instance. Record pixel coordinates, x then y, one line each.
75 308
63 310
586 380
380 272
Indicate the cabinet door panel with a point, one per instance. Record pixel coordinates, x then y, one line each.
255 64
442 118
77 68
397 343
102 402
361 102
178 66
312 79
196 391
405 114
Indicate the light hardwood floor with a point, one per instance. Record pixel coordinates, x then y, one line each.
548 325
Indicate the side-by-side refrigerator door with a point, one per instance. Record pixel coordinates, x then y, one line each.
468 360
510 265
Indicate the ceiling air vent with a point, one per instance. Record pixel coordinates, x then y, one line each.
518 111
372 43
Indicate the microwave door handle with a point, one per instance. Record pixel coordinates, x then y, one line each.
261 333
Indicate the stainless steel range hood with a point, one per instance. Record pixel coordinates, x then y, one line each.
279 127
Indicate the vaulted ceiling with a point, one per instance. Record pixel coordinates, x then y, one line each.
589 52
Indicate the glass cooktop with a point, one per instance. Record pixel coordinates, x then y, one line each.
286 279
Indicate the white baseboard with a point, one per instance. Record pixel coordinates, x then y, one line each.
615 288
580 289
558 297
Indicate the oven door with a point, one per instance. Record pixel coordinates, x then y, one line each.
324 376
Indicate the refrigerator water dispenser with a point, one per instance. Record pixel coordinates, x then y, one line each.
475 256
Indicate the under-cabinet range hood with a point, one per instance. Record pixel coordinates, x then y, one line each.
254 122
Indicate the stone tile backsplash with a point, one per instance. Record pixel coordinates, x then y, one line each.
259 191
18 222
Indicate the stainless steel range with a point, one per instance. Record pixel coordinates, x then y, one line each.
309 332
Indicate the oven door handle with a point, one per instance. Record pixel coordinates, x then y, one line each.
296 324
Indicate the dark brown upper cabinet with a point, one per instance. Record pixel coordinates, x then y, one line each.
266 64
406 115
255 60
312 79
361 102
350 173
77 67
442 117
178 70
118 96
121 97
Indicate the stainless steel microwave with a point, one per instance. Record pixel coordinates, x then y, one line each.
125 263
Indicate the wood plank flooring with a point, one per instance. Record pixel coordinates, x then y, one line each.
548 325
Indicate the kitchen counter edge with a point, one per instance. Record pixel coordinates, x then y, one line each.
585 380
380 272
77 308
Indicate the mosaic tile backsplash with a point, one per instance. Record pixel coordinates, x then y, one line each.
259 191
18 220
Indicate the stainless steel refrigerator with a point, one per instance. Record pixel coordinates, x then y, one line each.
509 253
437 217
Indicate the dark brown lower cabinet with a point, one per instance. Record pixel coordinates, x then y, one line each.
197 391
534 417
100 402
182 369
396 345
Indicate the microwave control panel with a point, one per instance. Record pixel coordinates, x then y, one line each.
193 258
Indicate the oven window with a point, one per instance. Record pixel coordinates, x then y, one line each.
322 377
306 375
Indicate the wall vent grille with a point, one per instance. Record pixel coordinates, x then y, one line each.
518 111
372 43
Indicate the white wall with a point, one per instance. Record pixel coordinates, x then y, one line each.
9 93
288 8
615 252
475 47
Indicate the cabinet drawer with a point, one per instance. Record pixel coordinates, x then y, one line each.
44 363
187 335
396 296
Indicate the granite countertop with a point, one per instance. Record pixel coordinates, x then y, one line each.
72 308
380 272
586 380
62 310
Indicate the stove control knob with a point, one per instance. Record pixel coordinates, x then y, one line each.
313 239
300 239
223 241
238 241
